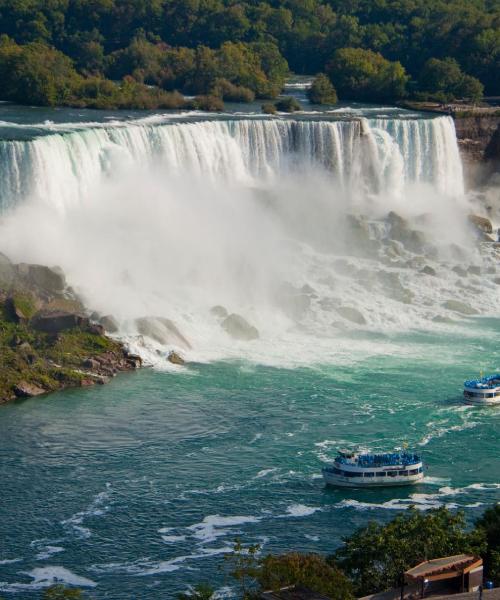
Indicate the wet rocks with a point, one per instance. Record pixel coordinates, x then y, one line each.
219 311
481 223
161 330
351 314
239 328
459 307
55 321
460 271
25 389
175 358
109 323
400 230
427 270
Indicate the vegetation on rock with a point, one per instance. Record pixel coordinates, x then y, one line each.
322 91
45 342
288 104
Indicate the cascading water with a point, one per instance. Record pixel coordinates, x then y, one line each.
64 168
283 221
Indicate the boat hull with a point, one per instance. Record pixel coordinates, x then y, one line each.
363 482
483 401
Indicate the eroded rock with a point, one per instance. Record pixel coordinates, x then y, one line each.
175 358
351 314
459 307
239 328
27 390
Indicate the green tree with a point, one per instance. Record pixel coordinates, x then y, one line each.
202 591
322 91
242 565
288 104
310 570
444 80
375 557
489 526
365 75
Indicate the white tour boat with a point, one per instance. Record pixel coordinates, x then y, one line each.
485 390
350 469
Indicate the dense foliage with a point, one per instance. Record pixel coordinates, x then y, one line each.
489 524
375 557
322 91
369 48
307 570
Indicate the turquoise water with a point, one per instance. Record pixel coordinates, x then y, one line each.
137 488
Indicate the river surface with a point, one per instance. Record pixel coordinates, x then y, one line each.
138 488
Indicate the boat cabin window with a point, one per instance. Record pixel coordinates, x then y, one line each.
369 475
392 474
403 472
381 474
350 474
414 471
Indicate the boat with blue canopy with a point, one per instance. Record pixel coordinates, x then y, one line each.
485 390
352 469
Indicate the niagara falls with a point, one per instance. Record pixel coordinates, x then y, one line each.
249 300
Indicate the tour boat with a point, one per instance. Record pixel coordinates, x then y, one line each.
485 390
351 469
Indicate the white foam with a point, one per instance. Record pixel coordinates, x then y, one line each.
9 561
43 577
48 551
97 508
301 510
265 472
215 526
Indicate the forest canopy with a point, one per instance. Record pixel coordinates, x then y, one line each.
371 50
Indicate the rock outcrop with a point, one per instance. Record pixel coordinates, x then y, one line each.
239 328
46 341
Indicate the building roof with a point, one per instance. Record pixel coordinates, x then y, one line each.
293 592
453 564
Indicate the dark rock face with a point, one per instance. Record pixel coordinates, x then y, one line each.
239 328
109 323
479 142
27 390
55 321
427 270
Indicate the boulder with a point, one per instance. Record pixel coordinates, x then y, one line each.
295 302
219 311
428 271
239 328
109 323
351 314
460 271
133 360
459 307
400 230
55 321
481 223
7 271
162 330
15 311
27 390
49 279
175 358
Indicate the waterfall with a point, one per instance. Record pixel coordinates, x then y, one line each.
383 155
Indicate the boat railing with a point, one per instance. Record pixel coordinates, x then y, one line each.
381 460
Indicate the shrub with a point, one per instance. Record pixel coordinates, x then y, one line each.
269 109
322 91
288 104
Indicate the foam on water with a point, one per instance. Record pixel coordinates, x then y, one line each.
44 577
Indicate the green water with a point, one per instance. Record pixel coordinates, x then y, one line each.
137 488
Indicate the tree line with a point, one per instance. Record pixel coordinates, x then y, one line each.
113 53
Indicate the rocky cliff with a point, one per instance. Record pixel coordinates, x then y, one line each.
46 341
479 138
